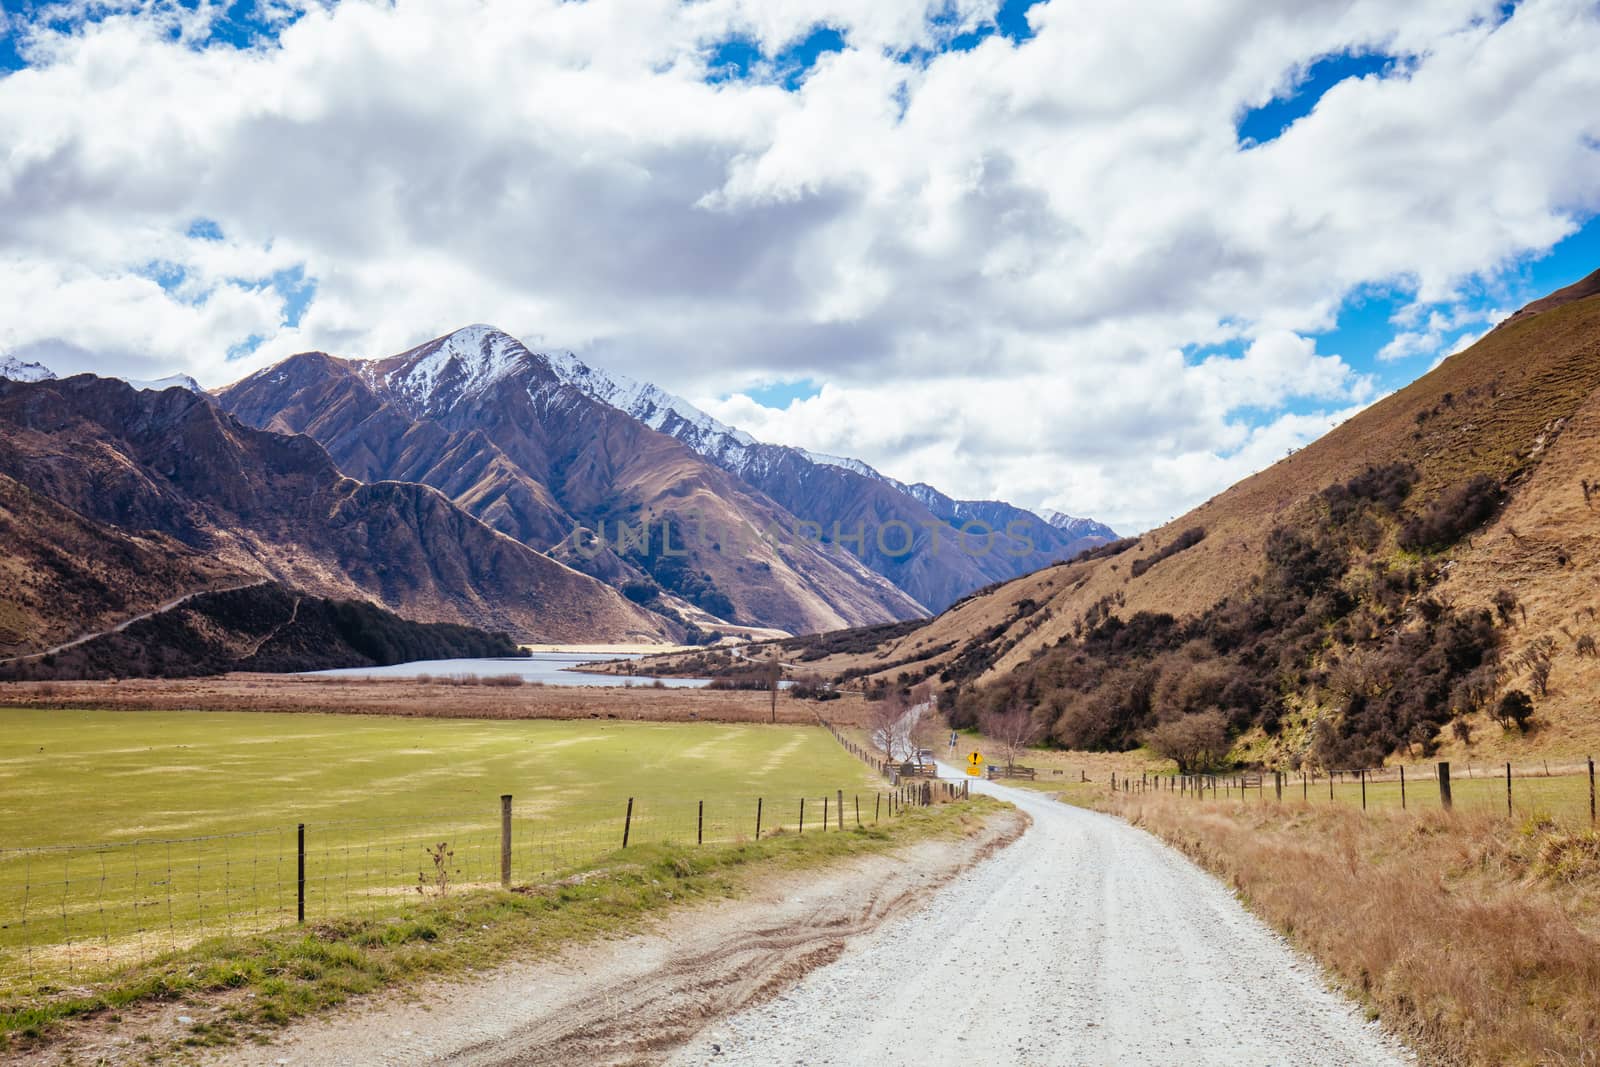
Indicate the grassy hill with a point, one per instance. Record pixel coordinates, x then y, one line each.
1384 588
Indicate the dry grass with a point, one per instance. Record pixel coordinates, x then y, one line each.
1476 937
439 699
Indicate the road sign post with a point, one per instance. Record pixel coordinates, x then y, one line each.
975 764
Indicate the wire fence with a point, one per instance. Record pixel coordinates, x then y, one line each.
1564 791
70 913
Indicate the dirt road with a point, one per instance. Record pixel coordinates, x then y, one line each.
1086 942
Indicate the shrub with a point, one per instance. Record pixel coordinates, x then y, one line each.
1457 512
1187 539
1516 709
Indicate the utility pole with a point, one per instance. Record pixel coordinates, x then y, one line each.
776 670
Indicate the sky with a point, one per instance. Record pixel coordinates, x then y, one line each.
1044 252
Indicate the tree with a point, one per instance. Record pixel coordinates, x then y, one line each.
1194 742
1013 728
1515 709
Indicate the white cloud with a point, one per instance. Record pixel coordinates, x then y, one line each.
993 257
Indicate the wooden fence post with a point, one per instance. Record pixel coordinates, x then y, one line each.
877 804
300 891
1444 785
824 814
1509 812
1402 787
758 818
627 823
1591 789
802 815
700 825
1363 789
1277 784
858 811
505 841
841 809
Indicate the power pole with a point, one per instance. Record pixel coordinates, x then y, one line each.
776 670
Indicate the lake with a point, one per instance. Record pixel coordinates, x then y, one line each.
551 668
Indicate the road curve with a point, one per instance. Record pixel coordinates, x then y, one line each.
1085 942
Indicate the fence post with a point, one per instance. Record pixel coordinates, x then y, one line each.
1591 789
1402 787
841 809
300 890
858 810
758 818
1277 784
627 823
1444 784
700 825
505 841
824 813
1509 812
1363 789
1305 787
877 806
802 815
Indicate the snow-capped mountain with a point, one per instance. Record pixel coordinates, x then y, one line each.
1077 527
18 371
522 440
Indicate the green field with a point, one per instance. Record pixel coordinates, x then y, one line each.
124 834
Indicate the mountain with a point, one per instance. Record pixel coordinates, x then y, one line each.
263 626
1086 533
1397 585
909 533
18 371
552 451
62 575
504 433
176 468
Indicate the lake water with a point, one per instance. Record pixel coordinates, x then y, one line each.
551 668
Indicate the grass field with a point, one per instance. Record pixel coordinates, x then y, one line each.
125 834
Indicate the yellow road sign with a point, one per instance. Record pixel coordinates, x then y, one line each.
975 764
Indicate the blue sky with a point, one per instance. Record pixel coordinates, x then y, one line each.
1077 262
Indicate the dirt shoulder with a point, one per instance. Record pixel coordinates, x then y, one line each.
633 1000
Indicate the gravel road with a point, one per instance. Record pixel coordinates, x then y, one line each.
1085 942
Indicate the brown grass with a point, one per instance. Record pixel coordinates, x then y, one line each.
441 699
1476 937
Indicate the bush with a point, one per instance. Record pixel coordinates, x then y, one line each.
1187 539
1457 512
1516 709
1194 742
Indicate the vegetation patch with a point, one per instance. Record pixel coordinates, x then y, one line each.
1472 935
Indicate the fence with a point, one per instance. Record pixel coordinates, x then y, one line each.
73 912
898 774
1565 791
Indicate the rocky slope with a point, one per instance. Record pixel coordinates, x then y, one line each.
265 504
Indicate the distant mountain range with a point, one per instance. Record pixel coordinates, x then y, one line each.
564 456
473 481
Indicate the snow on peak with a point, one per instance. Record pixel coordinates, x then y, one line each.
651 405
18 371
171 381
459 365
844 463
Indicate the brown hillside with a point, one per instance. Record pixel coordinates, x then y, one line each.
1522 406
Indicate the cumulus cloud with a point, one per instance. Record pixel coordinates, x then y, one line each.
1007 263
